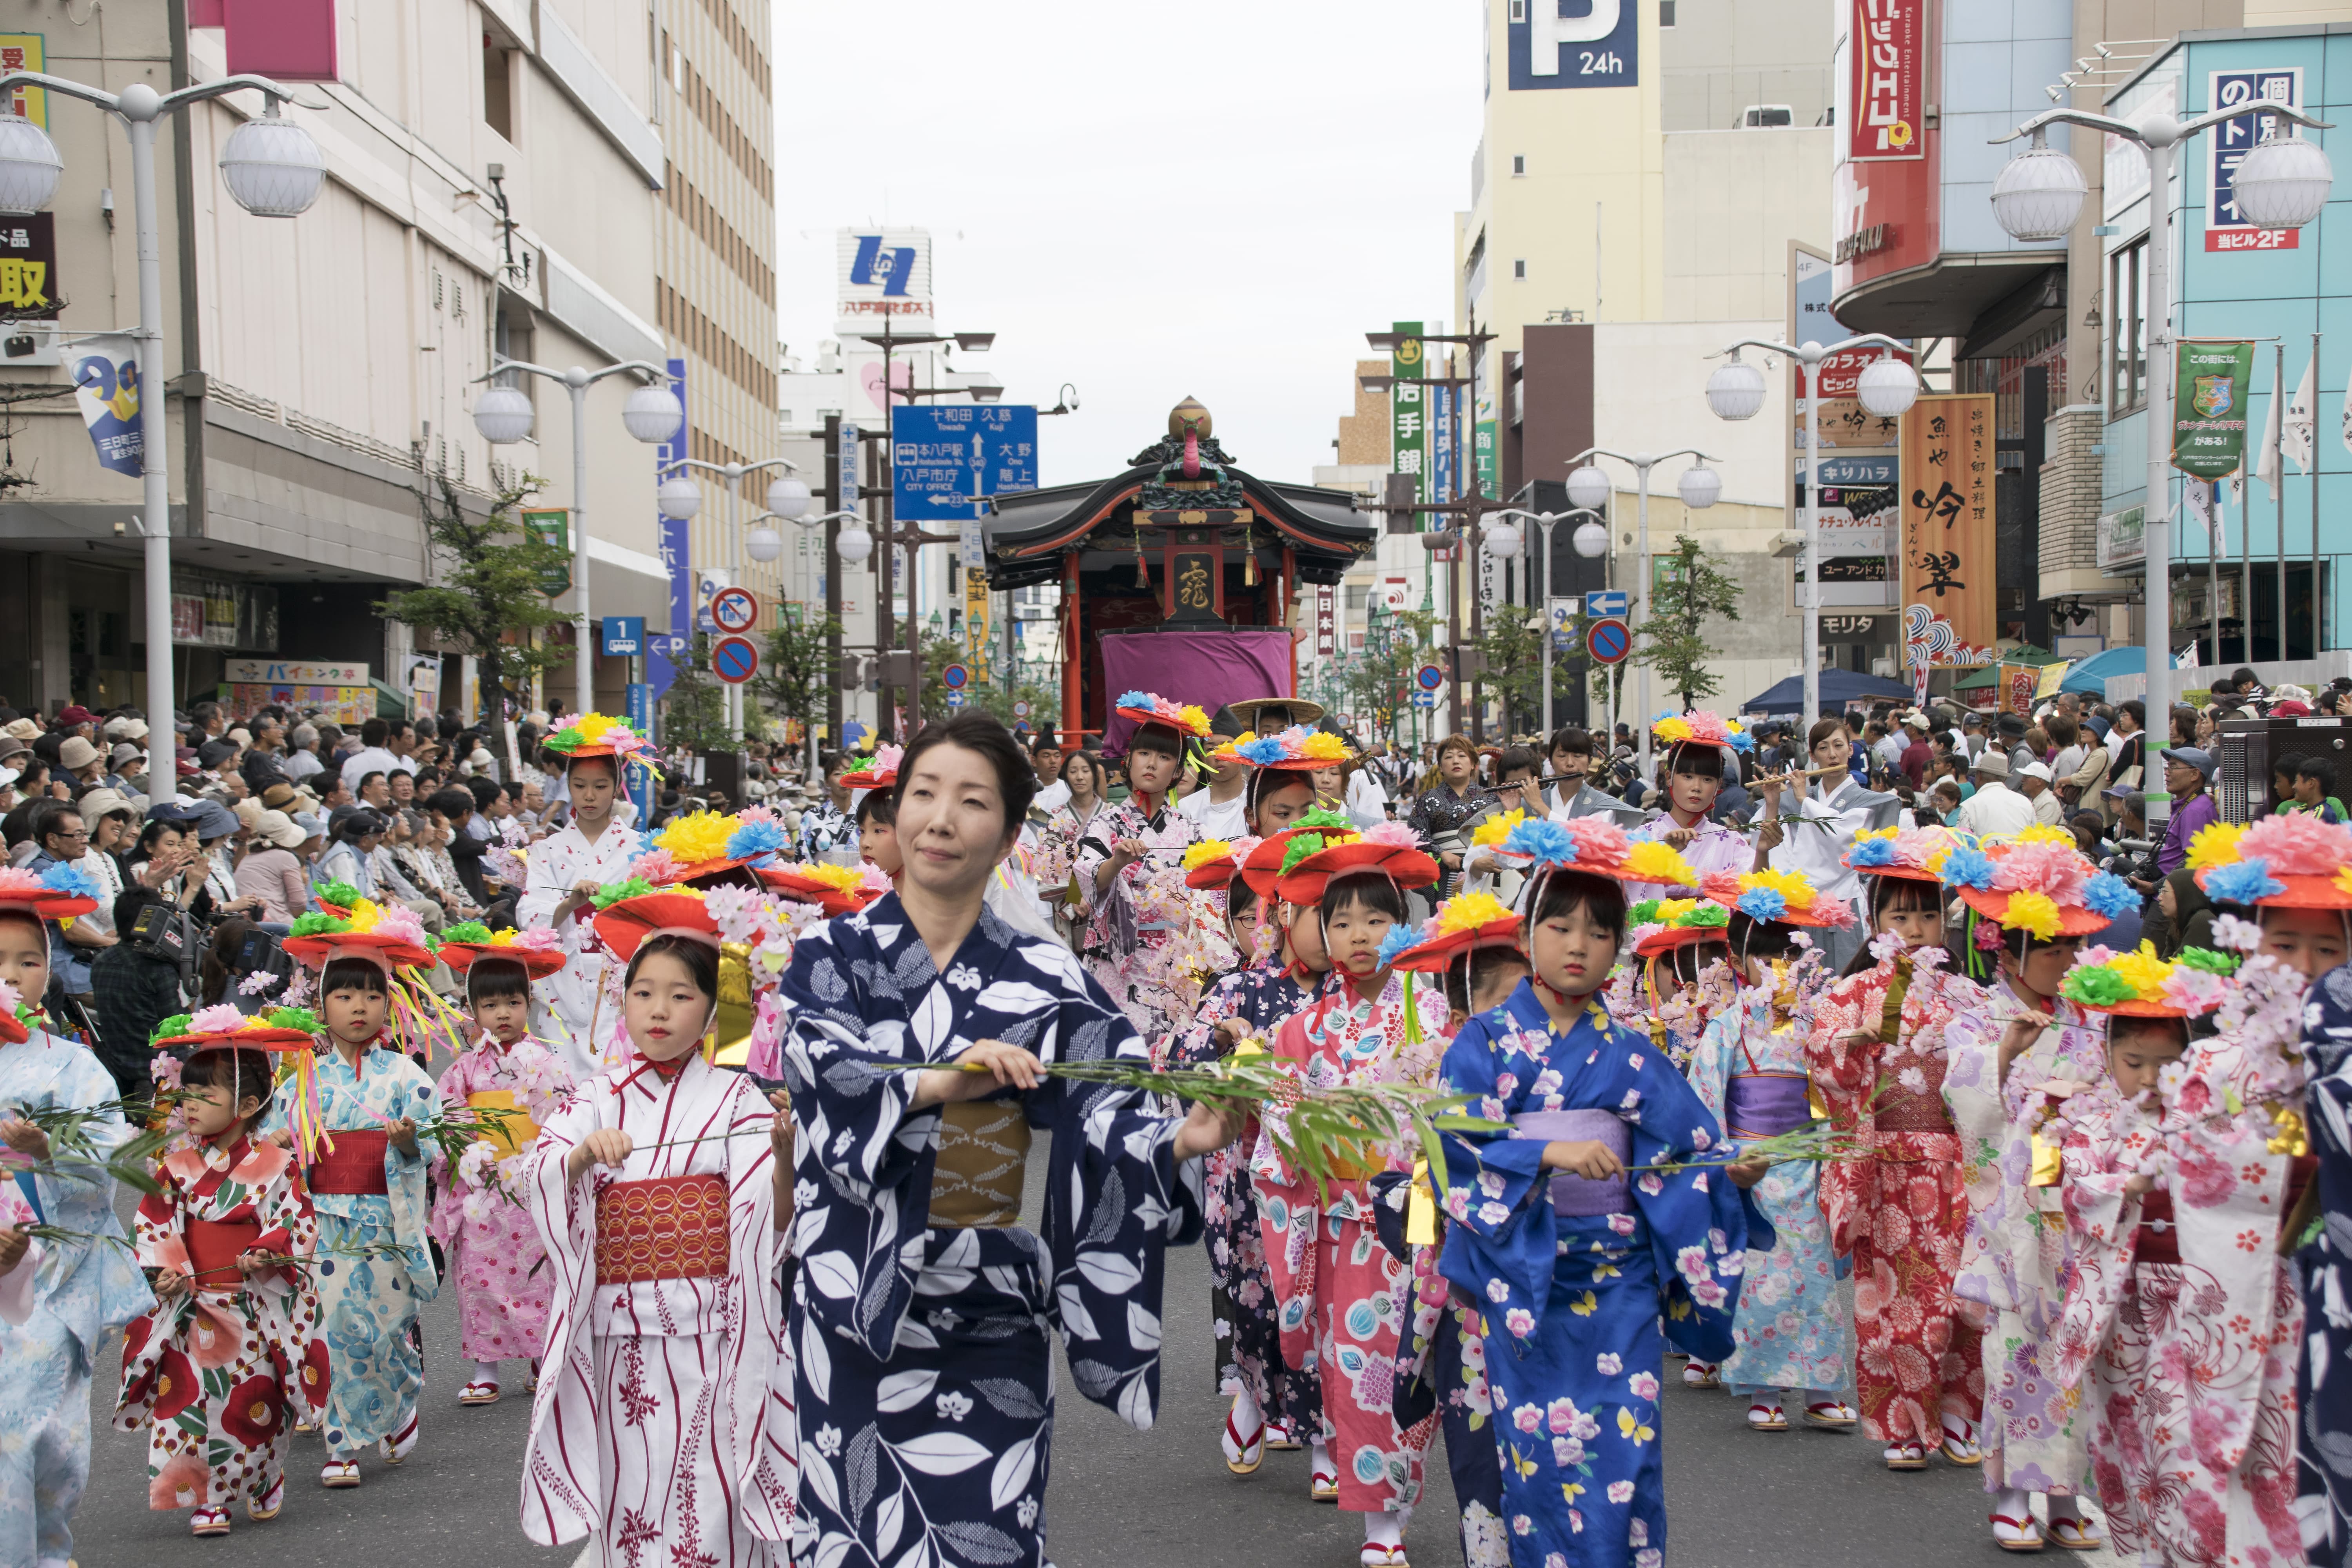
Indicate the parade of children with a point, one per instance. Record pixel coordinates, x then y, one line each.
733 1207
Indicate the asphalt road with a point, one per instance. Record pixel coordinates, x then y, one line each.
1160 1498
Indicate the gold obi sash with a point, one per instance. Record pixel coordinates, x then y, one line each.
730 1023
984 1152
508 1134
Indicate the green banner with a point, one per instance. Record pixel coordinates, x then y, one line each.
552 527
2208 407
1408 411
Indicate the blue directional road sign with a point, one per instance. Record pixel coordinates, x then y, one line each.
1608 602
1424 699
943 460
624 636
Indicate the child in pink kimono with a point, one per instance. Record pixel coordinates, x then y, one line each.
504 1288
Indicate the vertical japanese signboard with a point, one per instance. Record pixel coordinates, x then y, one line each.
1890 74
2229 143
1408 410
2208 407
26 52
975 620
1950 596
1325 639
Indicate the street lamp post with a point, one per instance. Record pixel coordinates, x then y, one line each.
680 499
1590 540
1589 488
273 168
2282 183
1886 388
652 413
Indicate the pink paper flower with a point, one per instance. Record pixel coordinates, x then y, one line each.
2056 869
1394 834
2297 844
220 1019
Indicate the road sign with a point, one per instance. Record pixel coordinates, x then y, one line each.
1021 709
941 458
955 678
734 660
625 637
734 609
1429 678
1608 602
955 699
1608 641
1424 699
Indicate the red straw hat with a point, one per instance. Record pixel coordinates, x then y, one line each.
538 962
1378 849
624 925
809 884
1261 867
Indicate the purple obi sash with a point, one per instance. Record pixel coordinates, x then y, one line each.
1765 1104
1571 1195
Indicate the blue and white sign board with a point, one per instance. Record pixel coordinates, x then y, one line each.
1595 47
844 478
955 678
1563 611
1424 699
641 719
707 586
1608 602
945 461
1429 678
734 660
624 636
735 609
1856 470
955 699
2228 143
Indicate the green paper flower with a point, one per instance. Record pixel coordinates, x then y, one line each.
468 931
340 894
2096 987
301 1019
176 1025
318 923
1298 849
2208 961
606 898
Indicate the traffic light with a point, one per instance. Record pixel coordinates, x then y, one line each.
853 673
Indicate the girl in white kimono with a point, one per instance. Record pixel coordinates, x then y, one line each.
566 870
663 1418
1818 828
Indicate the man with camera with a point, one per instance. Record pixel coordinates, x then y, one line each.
138 983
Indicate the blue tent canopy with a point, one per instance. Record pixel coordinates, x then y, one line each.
2090 677
1839 687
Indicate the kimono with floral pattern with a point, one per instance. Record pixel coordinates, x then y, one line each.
1577 1312
1145 910
482 1220
925 1381
371 1301
212 1374
2034 1427
1791 1330
1241 1293
80 1289
2324 1371
1901 1211
2190 1365
1341 1295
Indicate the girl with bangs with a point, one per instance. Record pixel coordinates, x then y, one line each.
1586 1229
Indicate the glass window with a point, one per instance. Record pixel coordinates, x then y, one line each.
2127 329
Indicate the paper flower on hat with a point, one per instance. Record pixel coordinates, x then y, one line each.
473 932
879 772
1206 851
658 867
2042 832
2215 844
1968 867
1787 897
1547 842
1651 861
2109 895
2144 985
342 894
1402 937
2241 882
1146 709
220 1019
1470 911
2032 911
1264 752
757 840
1298 847
1394 834
1491 833
1872 849
1701 728
1325 747
65 876
628 887
2297 844
597 735
2055 870
1763 904
697 836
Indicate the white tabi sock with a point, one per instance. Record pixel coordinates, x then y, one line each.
1383 1530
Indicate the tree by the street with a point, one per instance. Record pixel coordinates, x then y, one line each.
694 711
489 569
796 670
1513 647
1379 686
1674 640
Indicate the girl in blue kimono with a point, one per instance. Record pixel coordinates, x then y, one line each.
1576 1249
921 1309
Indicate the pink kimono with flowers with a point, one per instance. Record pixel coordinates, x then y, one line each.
483 1218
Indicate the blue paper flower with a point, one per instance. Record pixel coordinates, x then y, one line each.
756 839
1399 938
1742 741
1549 842
2243 882
1873 852
1134 699
1762 904
65 876
2109 895
1968 867
1264 751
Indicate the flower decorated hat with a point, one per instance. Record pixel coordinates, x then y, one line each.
1389 848
702 844
18 1019
2142 985
336 898
1462 925
1906 853
1212 864
1597 847
2285 862
1700 727
1189 722
833 889
1295 750
224 1028
387 935
1780 898
1661 925
2037 883
1264 865
630 912
61 892
541 951
878 771
599 735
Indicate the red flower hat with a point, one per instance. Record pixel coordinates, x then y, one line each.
1390 847
624 924
817 885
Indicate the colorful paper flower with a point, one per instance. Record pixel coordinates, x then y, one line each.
2242 882
2215 844
1469 911
1206 851
751 840
2032 911
1400 938
1968 867
2098 986
1547 842
1491 832
65 876
1869 849
2297 844
697 836
1763 904
1651 861
1395 835
1265 752
1325 747
2109 895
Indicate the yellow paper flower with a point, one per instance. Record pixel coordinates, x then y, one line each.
699 836
592 727
1324 748
2042 832
2142 972
1471 911
1672 909
2215 844
504 937
1671 729
364 914
1790 885
1193 720
1491 833
1876 833
2033 912
2344 879
1208 849
1652 862
842 877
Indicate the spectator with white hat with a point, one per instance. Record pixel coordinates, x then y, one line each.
1995 809
2033 782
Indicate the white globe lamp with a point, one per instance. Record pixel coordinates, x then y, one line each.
1888 387
788 498
503 415
1591 539
1501 539
2038 193
272 166
653 414
1700 485
29 167
1588 487
763 544
854 543
2283 182
678 498
1736 390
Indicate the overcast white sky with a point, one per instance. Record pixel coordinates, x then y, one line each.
1150 201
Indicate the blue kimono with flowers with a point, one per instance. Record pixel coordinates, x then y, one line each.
925 1377
1573 1306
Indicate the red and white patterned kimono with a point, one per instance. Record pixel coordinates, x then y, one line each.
483 1219
1341 1294
1901 1212
211 1373
664 1416
2186 1322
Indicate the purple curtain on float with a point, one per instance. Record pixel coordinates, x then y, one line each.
1208 667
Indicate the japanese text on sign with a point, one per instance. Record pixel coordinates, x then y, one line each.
2229 142
1946 511
1889 68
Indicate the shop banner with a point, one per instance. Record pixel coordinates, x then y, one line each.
106 386
2209 406
1889 82
1407 422
1950 596
975 622
553 526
